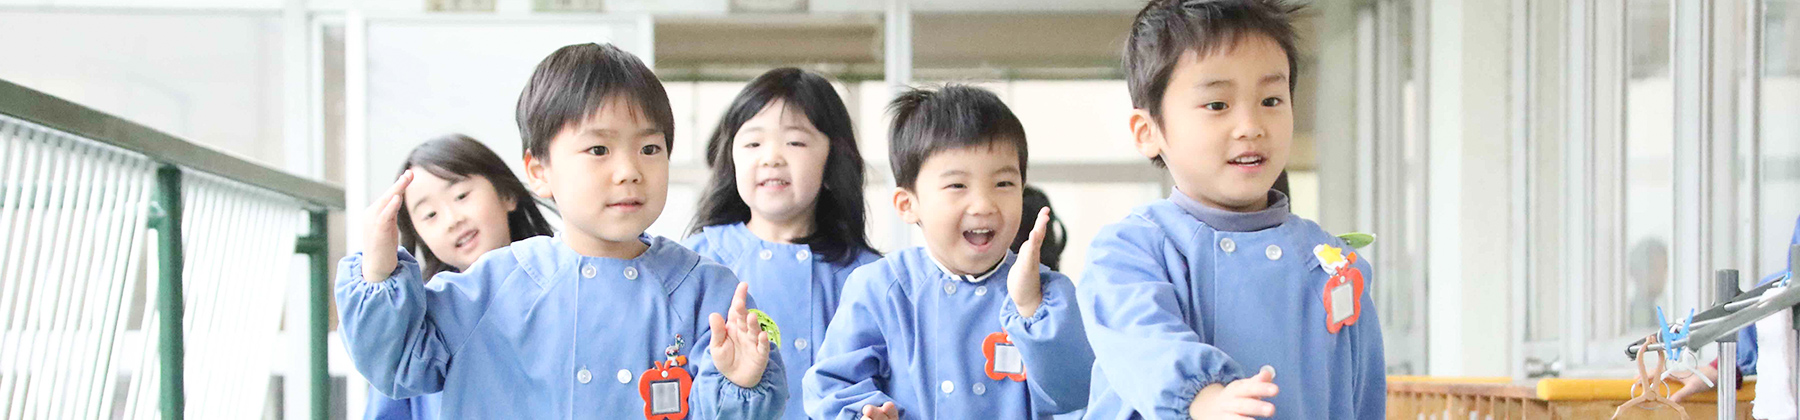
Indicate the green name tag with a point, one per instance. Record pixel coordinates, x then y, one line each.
768 325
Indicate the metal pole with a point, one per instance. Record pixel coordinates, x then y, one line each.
166 210
316 248
1727 383
1793 255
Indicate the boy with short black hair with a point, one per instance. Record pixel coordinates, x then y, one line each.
959 328
537 329
1186 295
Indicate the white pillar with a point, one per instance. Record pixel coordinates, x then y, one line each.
897 70
1470 325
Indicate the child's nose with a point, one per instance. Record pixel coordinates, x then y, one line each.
627 172
1249 126
983 205
771 159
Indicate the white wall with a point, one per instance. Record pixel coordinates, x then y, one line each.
214 78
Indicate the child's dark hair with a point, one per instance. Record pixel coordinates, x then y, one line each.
949 118
839 215
1166 29
456 157
575 81
1056 236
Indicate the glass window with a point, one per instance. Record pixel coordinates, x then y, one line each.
1649 168
1780 148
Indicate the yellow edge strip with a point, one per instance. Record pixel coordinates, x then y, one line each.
1559 389
1451 379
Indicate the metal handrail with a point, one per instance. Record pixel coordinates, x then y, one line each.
40 108
175 154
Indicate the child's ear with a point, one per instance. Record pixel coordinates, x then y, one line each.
540 182
1145 134
903 202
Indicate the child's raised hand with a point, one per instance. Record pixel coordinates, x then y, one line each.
740 348
1241 399
380 232
881 412
1023 284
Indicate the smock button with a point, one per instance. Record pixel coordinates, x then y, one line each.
978 388
948 387
800 344
949 288
766 254
1274 252
624 376
1227 245
980 290
584 376
802 255
587 271
631 273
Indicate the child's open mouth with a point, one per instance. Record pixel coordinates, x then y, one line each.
978 237
1248 161
773 184
467 238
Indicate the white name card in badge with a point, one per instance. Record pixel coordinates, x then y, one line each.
665 397
1004 362
1343 303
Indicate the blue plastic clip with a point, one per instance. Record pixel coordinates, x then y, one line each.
1670 336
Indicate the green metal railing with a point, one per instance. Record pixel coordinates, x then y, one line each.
80 191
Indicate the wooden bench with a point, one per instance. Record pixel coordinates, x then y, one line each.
1426 397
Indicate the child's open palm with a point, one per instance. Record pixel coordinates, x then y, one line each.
1240 399
381 233
1022 283
740 348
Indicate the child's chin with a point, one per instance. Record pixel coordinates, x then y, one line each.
621 230
980 262
1244 193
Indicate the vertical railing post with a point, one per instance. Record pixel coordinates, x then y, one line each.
316 247
1726 290
166 219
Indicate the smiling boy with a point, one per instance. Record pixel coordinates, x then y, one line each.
1186 295
958 329
598 322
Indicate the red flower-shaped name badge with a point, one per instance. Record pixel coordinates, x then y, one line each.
1343 292
1003 359
665 390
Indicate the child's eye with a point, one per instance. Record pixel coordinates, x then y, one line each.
797 143
652 149
751 145
1271 101
956 186
1214 106
1004 184
460 197
429 216
597 150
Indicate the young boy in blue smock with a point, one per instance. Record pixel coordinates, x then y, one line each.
598 322
1194 303
960 328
